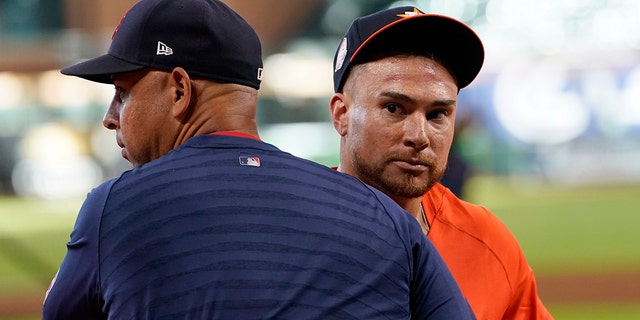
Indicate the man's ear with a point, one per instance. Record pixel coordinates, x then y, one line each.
180 84
339 113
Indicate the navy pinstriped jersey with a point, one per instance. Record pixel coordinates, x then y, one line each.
227 227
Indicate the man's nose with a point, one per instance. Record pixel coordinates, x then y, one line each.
111 117
416 132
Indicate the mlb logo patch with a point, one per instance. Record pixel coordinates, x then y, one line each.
249 161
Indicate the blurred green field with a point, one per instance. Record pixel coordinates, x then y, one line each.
567 230
588 230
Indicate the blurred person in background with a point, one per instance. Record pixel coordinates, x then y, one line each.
397 74
213 223
458 170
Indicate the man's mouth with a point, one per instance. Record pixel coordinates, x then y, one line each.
412 164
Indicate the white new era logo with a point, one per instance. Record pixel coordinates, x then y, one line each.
164 49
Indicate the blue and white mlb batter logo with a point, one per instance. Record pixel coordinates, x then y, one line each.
249 161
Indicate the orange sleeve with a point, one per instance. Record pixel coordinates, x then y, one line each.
526 304
484 257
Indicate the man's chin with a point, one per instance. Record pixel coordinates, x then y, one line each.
411 187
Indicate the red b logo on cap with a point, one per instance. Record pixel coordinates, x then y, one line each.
119 23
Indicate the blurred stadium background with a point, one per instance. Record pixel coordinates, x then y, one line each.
551 130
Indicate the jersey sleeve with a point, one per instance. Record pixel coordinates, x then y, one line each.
74 292
525 303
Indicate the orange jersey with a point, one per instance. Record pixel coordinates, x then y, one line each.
483 256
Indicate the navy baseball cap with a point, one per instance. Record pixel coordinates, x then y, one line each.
205 37
407 29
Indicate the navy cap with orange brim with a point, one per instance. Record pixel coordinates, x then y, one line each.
407 29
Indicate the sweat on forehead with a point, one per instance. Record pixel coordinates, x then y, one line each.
374 55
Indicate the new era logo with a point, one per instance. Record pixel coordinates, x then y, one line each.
164 49
342 53
260 73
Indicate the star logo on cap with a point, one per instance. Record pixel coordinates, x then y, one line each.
409 14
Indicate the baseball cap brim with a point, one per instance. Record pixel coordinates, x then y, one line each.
100 69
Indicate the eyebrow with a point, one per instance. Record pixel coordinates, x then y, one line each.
404 97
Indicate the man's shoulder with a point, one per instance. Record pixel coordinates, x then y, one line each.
444 203
473 219
472 227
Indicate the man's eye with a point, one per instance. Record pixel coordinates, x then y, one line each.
440 114
392 108
119 92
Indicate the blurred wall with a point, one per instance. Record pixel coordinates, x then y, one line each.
274 20
96 19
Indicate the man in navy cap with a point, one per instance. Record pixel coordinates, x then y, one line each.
397 74
213 223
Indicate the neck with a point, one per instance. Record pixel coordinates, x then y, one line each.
227 107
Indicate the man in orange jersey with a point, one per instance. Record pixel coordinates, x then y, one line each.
397 74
